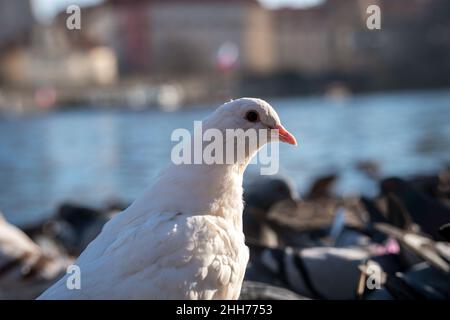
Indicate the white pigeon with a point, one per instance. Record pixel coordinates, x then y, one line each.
182 238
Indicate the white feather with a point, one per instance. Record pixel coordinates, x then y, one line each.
182 239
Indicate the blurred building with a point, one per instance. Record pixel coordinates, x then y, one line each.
302 40
203 35
331 42
205 46
41 55
16 20
51 60
184 37
324 38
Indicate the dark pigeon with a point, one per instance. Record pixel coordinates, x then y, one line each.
445 232
322 187
307 271
252 290
259 198
430 214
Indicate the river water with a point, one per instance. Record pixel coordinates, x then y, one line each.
92 156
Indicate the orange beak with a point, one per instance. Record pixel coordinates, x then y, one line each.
285 136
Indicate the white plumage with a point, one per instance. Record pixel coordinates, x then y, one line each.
182 239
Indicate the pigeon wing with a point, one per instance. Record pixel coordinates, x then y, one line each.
170 256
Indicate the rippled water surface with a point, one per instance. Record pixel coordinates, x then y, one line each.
91 156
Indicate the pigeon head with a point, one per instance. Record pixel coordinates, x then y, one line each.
249 113
246 125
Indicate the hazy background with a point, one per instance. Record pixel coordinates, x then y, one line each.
86 115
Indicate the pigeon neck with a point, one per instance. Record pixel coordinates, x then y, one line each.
202 189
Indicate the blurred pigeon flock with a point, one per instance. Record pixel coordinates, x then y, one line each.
395 246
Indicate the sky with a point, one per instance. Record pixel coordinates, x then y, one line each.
46 9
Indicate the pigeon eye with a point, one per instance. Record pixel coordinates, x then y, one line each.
252 116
